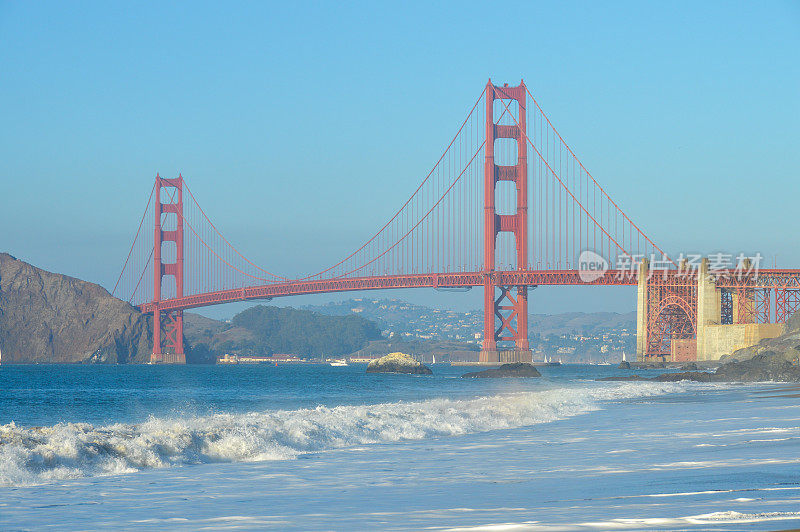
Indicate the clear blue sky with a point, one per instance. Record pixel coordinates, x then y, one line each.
302 126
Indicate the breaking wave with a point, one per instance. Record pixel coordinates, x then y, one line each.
71 450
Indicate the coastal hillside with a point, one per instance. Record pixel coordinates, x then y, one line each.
51 318
267 330
572 336
395 315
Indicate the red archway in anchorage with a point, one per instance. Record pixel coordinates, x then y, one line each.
672 319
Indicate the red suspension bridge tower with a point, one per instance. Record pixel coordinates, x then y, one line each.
168 349
505 307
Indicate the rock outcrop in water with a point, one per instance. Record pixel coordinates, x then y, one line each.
769 366
515 369
46 317
398 363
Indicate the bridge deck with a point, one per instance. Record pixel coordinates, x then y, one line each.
422 280
779 278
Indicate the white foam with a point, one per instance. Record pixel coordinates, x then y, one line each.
678 522
731 516
70 450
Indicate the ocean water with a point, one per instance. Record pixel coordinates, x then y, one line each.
319 447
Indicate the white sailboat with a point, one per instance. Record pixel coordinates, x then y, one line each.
433 359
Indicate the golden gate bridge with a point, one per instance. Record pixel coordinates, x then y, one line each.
508 206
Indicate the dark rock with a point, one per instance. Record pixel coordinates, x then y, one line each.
398 363
624 365
47 317
624 378
768 366
698 376
516 369
793 323
666 377
691 366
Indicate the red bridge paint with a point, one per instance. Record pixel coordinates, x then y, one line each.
171 319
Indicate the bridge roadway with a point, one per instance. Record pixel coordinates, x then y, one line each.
775 278
420 280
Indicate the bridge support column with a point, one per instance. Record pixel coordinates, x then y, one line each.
168 325
744 301
709 306
641 311
505 307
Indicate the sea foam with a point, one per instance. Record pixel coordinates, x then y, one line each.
32 455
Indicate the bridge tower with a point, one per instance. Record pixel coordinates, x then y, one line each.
505 308
168 347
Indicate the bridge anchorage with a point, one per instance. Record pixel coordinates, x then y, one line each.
525 219
701 312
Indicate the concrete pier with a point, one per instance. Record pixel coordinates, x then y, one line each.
505 356
709 306
641 311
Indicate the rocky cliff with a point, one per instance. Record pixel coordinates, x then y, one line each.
47 317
